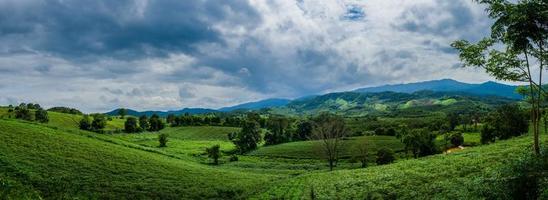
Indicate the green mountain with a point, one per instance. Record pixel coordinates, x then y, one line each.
386 103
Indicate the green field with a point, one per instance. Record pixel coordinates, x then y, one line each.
309 149
57 161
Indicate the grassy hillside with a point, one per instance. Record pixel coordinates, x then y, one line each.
309 149
58 164
460 175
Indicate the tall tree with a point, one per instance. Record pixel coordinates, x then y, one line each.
248 138
143 122
130 126
521 29
330 130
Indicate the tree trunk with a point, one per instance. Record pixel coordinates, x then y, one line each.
330 164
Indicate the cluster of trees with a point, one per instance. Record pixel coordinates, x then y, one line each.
134 125
66 110
25 112
193 120
94 122
505 122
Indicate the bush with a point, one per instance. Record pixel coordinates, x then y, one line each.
456 139
130 126
487 134
155 123
99 122
23 113
162 139
233 158
85 123
41 116
385 156
214 153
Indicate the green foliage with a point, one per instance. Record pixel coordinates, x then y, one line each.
85 123
304 130
65 110
421 142
22 112
456 139
99 122
248 138
130 126
155 123
162 139
385 156
143 122
214 153
506 122
41 115
278 131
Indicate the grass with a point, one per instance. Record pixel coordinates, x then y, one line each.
453 176
58 161
59 165
309 149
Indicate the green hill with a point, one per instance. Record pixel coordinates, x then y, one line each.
58 164
463 175
309 149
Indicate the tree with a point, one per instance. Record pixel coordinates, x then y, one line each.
456 139
330 130
41 115
162 139
214 153
421 142
385 156
277 131
171 119
85 123
130 126
22 112
248 138
452 120
155 123
143 122
361 152
304 131
514 50
99 122
122 112
505 122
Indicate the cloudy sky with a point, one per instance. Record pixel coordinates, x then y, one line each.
97 55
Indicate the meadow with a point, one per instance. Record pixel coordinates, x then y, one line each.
57 161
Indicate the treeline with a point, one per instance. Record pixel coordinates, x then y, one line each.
29 112
67 110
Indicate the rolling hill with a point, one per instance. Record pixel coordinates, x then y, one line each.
382 103
164 113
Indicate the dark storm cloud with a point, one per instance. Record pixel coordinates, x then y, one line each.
122 28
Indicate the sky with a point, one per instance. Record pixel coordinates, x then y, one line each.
97 55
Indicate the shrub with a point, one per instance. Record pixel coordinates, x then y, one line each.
385 156
162 139
487 134
456 139
41 115
233 158
99 122
85 123
130 126
155 123
214 153
23 113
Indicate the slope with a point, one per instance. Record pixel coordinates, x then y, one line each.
462 175
59 164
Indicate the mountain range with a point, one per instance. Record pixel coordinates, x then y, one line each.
411 91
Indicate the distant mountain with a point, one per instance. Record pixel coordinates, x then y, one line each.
449 85
389 103
164 113
267 103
